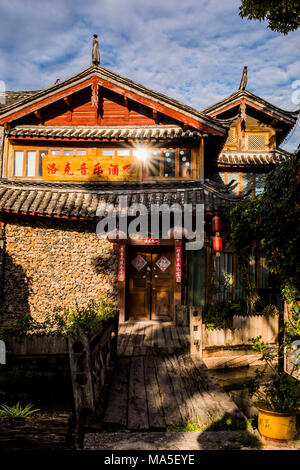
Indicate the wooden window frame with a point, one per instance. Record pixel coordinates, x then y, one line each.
97 151
266 135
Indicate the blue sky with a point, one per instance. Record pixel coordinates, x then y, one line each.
191 50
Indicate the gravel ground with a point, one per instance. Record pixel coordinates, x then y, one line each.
207 440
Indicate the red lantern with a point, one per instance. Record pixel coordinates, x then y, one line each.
217 245
216 223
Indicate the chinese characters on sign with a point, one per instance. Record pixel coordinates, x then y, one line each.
178 258
90 167
151 241
122 256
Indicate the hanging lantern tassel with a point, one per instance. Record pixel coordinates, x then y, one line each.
217 244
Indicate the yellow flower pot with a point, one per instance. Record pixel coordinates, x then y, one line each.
278 426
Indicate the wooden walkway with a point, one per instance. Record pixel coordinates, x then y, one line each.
157 384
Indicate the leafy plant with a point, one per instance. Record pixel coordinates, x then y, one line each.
17 411
271 219
280 392
89 317
62 320
282 15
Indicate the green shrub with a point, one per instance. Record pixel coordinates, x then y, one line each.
17 411
62 320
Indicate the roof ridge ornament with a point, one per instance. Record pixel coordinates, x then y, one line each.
244 79
95 51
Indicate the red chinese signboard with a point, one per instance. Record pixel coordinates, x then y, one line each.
178 260
122 259
90 167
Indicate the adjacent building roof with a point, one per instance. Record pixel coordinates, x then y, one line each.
156 133
251 97
8 98
86 200
253 158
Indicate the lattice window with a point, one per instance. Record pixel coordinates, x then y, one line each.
256 141
231 136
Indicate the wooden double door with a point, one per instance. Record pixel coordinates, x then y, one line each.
150 283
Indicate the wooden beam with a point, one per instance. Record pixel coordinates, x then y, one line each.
38 114
255 106
45 102
201 160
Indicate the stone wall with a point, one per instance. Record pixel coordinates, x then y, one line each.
53 263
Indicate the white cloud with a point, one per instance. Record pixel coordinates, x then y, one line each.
193 50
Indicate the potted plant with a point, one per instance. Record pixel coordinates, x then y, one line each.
276 394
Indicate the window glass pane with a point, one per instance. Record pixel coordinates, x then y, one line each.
108 153
55 152
247 182
219 178
184 163
18 167
68 152
263 270
169 163
123 153
259 183
153 163
41 154
234 187
224 280
81 152
30 163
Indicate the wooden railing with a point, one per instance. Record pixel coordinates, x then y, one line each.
244 328
90 355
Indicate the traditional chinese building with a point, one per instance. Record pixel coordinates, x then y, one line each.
70 151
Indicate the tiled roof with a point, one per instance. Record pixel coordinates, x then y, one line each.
291 115
10 97
105 133
76 200
119 80
253 158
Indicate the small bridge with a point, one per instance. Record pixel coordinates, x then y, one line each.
157 384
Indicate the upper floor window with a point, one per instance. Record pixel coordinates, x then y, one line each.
28 163
231 136
256 142
103 163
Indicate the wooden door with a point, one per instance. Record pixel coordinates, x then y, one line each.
139 271
162 285
151 284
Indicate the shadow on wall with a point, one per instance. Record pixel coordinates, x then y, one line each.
15 291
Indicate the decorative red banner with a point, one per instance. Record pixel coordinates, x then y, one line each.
122 259
178 260
151 241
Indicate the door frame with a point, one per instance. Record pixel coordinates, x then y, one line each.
178 288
